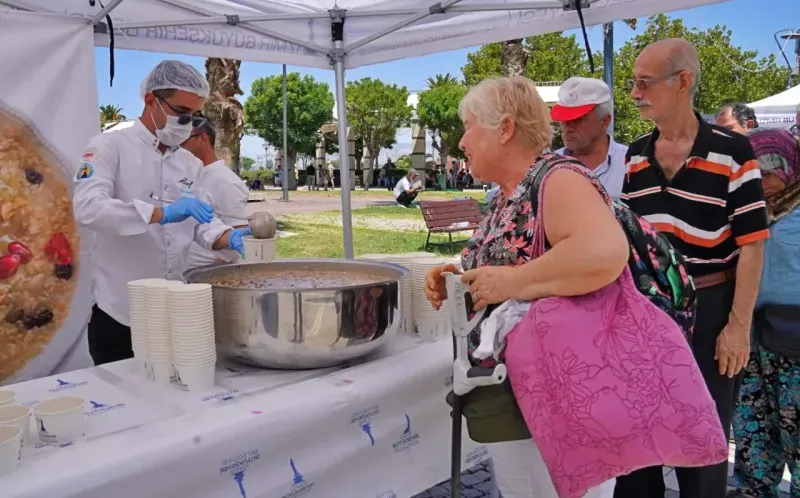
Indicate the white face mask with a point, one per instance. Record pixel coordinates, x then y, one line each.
172 134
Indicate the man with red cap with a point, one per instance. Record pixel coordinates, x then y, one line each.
583 113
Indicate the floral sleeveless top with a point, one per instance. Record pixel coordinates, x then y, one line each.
505 235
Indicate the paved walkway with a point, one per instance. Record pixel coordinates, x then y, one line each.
305 202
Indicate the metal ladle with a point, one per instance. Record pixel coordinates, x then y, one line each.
259 221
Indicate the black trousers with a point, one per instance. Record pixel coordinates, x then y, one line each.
406 199
713 307
109 340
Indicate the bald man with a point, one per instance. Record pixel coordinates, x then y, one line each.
700 185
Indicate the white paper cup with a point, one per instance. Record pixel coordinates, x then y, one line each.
258 250
10 449
17 416
161 372
60 420
196 378
6 397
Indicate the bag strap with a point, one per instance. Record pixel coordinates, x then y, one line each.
537 195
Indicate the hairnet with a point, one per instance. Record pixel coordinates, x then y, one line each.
175 75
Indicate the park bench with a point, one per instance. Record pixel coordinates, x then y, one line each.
450 216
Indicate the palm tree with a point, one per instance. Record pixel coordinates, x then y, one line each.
111 114
515 57
224 110
440 80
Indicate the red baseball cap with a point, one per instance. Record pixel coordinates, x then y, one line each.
578 96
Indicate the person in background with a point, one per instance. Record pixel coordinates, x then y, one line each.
795 129
584 112
311 177
507 128
135 236
330 174
737 117
225 191
405 192
700 185
765 424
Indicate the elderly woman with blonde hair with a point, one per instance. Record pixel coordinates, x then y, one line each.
506 140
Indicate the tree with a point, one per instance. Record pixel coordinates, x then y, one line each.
111 114
375 111
438 113
440 79
728 73
403 162
309 106
549 57
246 163
515 57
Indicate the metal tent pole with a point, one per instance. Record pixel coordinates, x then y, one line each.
608 68
105 11
337 58
285 162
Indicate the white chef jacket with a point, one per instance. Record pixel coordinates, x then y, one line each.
111 196
611 172
228 194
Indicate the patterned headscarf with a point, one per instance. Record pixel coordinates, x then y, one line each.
778 153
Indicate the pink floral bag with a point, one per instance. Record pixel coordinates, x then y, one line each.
608 385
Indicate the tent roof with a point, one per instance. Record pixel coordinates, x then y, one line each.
298 32
783 103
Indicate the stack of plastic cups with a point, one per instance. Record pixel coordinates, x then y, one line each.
430 324
137 313
159 342
194 351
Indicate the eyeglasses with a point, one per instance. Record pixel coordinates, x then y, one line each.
795 130
197 120
643 84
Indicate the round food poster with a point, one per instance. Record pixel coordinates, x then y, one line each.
38 245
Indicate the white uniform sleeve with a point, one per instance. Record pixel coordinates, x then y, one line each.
93 193
206 234
232 198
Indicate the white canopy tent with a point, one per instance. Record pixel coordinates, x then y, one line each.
778 111
335 34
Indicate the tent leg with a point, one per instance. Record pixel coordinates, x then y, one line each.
608 68
337 29
285 162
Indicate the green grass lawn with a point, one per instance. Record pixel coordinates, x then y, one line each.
317 237
428 195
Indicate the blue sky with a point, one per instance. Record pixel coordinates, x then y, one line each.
753 23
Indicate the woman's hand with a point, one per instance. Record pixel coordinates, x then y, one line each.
435 287
491 284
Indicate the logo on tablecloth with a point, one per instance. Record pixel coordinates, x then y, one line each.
389 493
101 408
363 419
64 385
221 396
300 485
477 456
232 372
236 467
408 440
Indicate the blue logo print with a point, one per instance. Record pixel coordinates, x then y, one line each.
220 397
408 439
363 419
389 493
64 385
100 408
237 466
300 486
477 455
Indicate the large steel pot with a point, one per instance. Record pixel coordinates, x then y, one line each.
303 328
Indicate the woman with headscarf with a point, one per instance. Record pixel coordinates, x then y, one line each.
765 423
507 133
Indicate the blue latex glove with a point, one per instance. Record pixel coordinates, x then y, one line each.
235 240
185 208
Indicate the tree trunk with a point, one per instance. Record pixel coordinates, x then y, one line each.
515 58
224 110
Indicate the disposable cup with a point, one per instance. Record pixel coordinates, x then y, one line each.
60 420
17 416
196 378
6 397
258 250
10 449
161 371
194 358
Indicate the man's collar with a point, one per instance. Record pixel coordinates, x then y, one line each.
215 163
699 147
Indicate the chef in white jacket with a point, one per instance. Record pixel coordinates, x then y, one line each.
226 192
137 237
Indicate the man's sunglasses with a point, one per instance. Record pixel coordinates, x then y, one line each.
184 119
643 84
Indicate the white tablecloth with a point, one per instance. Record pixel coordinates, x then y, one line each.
379 429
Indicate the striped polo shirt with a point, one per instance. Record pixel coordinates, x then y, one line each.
712 206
